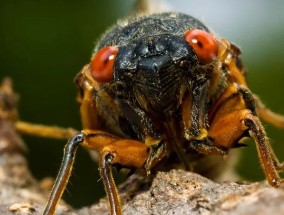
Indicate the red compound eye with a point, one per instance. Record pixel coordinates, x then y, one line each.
203 43
102 64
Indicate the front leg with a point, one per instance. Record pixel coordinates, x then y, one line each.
112 150
235 116
64 173
265 153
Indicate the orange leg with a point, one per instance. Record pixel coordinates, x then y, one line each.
265 153
44 131
235 114
112 150
267 115
225 134
85 97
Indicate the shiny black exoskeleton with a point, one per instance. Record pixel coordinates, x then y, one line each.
154 61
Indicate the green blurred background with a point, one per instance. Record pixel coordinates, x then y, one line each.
43 44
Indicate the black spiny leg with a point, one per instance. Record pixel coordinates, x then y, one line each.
106 159
248 98
64 173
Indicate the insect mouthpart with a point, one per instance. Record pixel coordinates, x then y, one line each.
157 84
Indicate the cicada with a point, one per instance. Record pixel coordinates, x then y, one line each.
159 89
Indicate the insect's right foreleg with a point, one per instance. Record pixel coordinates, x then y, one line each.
106 159
127 153
112 150
64 173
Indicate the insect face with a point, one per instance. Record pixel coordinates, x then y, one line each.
154 72
162 66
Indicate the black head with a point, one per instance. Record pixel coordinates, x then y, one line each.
153 69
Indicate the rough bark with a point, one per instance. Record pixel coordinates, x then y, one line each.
180 192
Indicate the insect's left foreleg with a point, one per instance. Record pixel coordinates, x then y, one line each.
267 158
254 104
243 113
